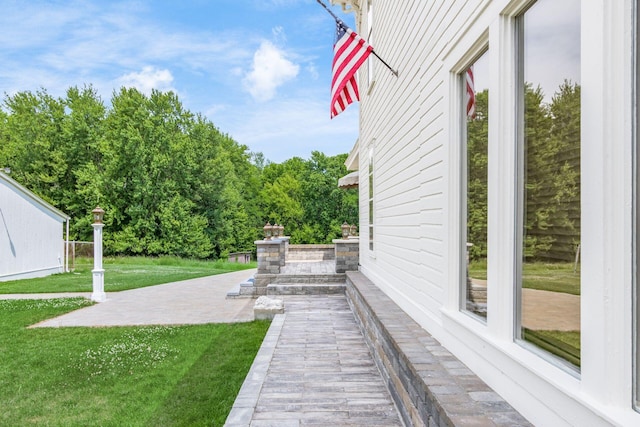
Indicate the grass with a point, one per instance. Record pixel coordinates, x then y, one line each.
134 376
565 344
478 269
123 273
554 277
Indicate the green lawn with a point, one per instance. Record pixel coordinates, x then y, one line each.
133 376
555 277
565 344
122 273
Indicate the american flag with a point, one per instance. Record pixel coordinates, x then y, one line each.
471 94
349 53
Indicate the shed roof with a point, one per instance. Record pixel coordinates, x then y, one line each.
10 182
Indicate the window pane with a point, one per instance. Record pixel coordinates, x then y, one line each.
475 105
371 204
371 59
637 213
550 246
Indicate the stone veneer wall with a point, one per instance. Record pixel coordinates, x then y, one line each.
310 252
268 253
347 254
429 385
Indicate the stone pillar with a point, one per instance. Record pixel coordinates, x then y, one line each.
284 249
347 254
268 256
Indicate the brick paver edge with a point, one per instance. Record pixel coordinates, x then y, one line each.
244 406
429 385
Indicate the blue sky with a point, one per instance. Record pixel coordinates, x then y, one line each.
260 70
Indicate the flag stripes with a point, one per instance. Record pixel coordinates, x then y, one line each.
350 52
471 94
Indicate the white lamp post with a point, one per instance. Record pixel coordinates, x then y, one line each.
98 294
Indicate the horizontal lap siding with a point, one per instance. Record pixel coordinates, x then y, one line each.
30 238
406 117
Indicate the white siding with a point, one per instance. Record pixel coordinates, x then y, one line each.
31 235
411 121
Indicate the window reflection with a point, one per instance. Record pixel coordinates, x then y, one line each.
476 113
637 212
550 190
371 205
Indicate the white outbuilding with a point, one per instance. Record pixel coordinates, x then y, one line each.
32 240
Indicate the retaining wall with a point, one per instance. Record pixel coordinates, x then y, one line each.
429 385
311 252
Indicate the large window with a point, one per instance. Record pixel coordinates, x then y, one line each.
371 204
371 59
549 178
475 103
636 213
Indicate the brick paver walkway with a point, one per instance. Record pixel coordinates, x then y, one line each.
188 302
314 369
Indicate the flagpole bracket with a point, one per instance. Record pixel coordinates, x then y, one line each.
348 6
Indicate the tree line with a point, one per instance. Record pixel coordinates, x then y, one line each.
551 181
170 181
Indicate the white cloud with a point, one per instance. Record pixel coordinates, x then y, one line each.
552 44
289 127
270 70
313 71
278 34
110 44
275 4
79 43
213 110
147 79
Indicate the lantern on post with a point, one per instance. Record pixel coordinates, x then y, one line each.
268 231
345 230
98 294
98 215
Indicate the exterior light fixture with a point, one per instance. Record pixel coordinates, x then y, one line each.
345 230
98 215
268 231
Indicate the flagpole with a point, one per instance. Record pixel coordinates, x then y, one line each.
395 73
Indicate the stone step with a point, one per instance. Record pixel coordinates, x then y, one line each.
242 290
309 278
306 289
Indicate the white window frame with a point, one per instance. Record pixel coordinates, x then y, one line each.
480 48
370 60
636 205
603 392
520 167
371 199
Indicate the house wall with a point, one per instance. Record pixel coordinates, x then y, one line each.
410 124
31 236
